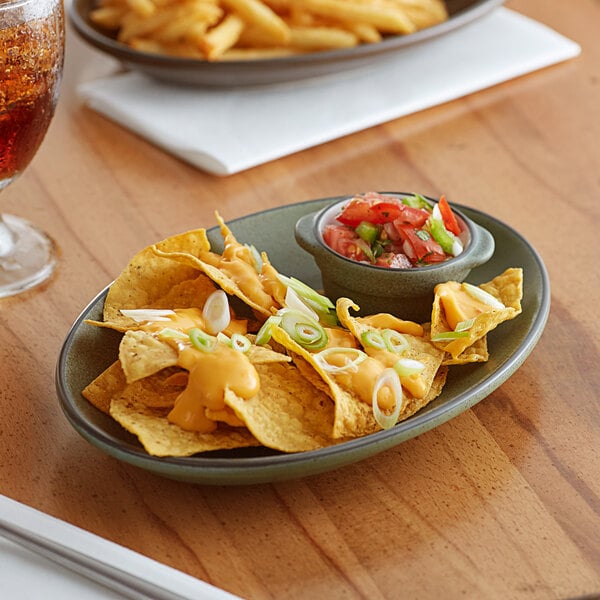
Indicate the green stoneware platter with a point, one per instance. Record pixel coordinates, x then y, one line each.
88 350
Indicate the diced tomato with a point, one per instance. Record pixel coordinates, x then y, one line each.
373 211
425 250
416 217
449 218
344 240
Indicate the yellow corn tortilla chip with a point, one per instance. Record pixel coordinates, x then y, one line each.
201 259
149 277
476 352
141 354
288 413
352 416
103 388
159 437
506 287
420 348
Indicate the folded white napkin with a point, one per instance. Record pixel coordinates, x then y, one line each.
224 131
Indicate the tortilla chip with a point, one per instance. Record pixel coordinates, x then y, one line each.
476 352
420 348
288 413
103 389
161 438
507 287
352 416
142 354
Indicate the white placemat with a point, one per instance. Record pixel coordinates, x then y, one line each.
226 131
29 575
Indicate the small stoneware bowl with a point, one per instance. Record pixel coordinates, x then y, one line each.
406 293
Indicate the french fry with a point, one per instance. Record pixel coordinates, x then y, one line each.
259 14
322 38
260 29
222 37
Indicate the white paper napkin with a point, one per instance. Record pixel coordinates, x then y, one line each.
28 575
226 131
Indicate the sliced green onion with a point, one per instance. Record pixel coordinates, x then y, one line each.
350 366
147 314
266 331
216 312
405 367
168 332
373 338
256 257
395 341
303 330
465 325
294 301
313 298
240 342
388 378
224 339
449 335
482 296
201 340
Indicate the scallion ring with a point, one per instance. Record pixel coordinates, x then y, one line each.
168 332
351 366
390 379
294 301
464 325
266 331
405 367
448 336
317 301
482 296
201 340
256 257
216 312
139 315
373 338
395 341
303 330
240 342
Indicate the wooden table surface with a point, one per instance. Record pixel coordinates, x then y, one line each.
501 502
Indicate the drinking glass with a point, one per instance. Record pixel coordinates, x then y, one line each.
32 38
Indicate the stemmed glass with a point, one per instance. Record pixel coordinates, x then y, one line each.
32 38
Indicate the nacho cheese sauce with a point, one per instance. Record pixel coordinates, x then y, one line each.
210 373
237 263
202 404
458 305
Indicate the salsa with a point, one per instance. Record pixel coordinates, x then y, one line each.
396 232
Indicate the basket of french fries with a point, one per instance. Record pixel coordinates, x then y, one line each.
244 32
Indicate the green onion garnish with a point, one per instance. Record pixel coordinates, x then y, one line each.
449 335
482 296
356 357
388 378
464 325
302 329
405 367
395 341
201 340
373 338
264 333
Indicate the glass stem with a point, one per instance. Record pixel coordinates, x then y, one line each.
7 239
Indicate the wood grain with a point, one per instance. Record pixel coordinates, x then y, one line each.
502 502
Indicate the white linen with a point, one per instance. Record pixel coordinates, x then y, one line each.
224 131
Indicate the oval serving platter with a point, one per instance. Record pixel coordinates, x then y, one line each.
88 350
189 71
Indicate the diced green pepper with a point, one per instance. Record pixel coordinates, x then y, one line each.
441 235
367 231
416 201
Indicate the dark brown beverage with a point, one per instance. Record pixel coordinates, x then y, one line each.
30 72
